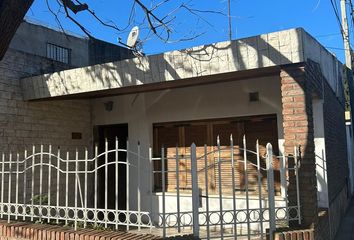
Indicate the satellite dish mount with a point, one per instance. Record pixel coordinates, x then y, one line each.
133 42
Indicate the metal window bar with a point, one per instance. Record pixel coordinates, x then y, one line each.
58 53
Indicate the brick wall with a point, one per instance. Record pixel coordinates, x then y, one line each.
307 234
337 209
336 144
28 231
300 84
298 131
336 149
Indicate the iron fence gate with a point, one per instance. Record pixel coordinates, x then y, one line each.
222 191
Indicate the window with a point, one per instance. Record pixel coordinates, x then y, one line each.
180 135
58 53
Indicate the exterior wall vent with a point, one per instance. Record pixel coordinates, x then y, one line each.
253 97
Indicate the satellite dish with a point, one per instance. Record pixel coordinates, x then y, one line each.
133 37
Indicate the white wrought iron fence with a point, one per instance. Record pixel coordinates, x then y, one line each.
231 212
45 186
209 191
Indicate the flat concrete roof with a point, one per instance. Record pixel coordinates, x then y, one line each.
228 59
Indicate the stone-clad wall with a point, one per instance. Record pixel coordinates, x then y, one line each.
25 123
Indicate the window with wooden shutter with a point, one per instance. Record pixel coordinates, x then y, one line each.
179 137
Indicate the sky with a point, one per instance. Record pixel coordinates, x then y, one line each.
208 24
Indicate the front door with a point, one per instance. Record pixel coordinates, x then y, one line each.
109 133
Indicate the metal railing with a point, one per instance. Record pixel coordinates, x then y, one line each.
233 213
115 189
64 188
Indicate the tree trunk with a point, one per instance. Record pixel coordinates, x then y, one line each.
11 16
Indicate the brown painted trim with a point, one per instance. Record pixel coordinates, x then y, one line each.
216 120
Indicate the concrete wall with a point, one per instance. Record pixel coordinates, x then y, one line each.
272 49
230 99
331 67
249 53
33 39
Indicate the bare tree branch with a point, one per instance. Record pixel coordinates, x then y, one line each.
74 20
159 24
112 25
75 8
150 17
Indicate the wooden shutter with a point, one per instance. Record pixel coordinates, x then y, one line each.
166 136
184 134
224 131
265 130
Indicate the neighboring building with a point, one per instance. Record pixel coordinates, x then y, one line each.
283 88
65 48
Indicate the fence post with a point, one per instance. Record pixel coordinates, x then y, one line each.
195 191
297 165
271 199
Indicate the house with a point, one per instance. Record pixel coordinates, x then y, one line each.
282 88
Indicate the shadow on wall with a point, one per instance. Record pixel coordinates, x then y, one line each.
198 62
248 53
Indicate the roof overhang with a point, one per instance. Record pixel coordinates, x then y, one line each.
251 57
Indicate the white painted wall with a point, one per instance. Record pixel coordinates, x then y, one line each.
229 99
320 151
214 206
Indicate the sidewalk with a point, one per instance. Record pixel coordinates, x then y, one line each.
346 229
